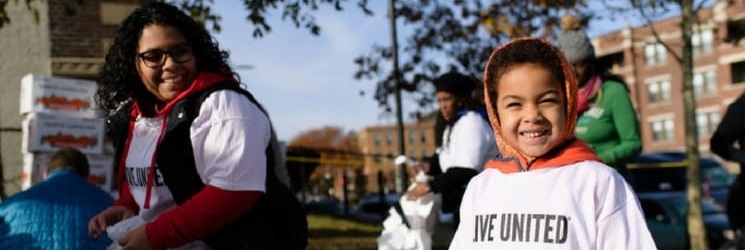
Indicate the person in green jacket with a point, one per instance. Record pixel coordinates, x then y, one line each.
608 120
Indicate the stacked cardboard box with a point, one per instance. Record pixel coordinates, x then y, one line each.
61 112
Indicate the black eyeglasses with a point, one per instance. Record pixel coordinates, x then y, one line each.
156 58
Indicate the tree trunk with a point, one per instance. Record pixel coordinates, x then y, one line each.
696 229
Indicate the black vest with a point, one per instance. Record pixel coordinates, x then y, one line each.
276 221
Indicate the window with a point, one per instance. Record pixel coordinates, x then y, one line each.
411 137
706 123
662 130
738 72
376 138
704 82
658 91
389 138
423 135
735 31
654 53
703 41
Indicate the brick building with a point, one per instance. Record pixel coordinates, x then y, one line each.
654 76
69 39
379 144
654 79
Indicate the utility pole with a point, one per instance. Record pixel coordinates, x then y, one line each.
2 168
400 168
3 195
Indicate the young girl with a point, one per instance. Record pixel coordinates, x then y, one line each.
548 190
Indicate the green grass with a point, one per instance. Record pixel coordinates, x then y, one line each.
334 233
327 232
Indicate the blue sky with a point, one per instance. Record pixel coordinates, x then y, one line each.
305 81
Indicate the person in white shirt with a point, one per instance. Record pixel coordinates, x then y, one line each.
194 151
466 141
548 190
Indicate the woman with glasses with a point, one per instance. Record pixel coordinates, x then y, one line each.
192 147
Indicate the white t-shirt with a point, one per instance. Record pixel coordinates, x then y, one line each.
469 145
229 137
586 205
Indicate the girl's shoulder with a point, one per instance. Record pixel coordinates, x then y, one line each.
591 166
228 104
226 100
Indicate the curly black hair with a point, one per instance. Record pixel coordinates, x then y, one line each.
118 80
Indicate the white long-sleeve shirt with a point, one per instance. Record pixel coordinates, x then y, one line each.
585 205
228 137
469 145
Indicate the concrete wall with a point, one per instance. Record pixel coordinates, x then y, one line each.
25 49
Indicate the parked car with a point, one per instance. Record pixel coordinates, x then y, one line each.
666 215
652 172
370 209
327 206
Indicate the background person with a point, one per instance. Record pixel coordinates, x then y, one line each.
53 213
193 148
728 142
607 119
465 142
548 190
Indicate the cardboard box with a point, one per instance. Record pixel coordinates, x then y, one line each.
47 133
102 171
57 95
35 170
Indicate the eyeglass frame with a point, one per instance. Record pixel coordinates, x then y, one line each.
166 53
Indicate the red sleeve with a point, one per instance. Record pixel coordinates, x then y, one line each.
126 199
206 212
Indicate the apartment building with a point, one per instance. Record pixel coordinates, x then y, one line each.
379 145
652 74
654 77
69 39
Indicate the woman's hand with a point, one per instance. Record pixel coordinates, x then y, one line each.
419 190
135 239
423 165
97 225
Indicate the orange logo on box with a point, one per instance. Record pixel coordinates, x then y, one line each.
71 141
62 103
96 180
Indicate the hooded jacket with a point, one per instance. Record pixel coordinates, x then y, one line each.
564 199
52 214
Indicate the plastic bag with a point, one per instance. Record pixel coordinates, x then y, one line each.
421 214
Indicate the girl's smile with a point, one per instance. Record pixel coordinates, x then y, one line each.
531 109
